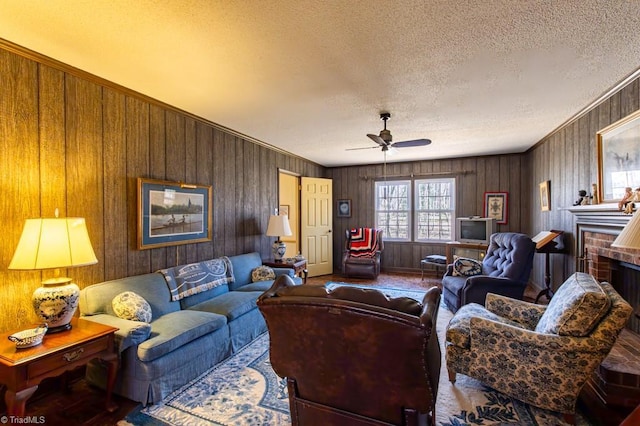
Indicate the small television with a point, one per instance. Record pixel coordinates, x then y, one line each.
475 229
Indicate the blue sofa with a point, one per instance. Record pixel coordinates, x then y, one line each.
185 337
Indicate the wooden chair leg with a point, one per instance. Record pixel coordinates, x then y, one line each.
569 418
452 376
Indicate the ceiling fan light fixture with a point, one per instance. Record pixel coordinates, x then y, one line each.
384 140
385 135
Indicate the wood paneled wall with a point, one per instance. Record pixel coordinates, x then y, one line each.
474 176
79 144
568 158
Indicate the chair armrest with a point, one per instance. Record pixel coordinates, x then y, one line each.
129 332
430 307
283 271
476 288
489 336
525 313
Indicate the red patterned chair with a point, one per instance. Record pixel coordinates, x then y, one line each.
362 250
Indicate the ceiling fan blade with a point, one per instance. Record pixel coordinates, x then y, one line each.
377 139
411 143
366 147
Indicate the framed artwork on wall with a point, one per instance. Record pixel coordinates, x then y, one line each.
545 195
618 158
496 206
172 213
344 208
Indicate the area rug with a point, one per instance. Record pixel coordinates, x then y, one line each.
244 390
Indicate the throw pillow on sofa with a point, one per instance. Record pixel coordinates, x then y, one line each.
131 306
262 273
465 267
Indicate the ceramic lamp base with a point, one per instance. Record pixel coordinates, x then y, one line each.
279 249
55 303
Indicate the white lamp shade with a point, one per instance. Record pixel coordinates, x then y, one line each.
630 235
53 243
278 226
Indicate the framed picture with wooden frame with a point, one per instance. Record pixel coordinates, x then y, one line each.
495 206
344 208
618 158
172 213
545 195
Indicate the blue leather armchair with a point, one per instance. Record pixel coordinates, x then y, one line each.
505 271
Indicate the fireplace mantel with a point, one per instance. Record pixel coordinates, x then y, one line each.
605 215
617 379
600 218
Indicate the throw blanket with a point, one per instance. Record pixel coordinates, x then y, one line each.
195 278
364 242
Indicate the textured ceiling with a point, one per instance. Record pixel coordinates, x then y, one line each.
311 76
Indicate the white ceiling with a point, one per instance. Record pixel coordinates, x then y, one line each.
311 76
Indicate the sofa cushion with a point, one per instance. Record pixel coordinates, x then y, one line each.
465 267
96 298
243 264
232 305
131 306
175 329
261 286
577 306
262 273
129 332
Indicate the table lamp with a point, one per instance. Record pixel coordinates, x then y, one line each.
278 226
53 244
629 237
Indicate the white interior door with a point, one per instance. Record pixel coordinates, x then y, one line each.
316 225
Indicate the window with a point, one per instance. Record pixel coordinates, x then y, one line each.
393 209
435 209
416 210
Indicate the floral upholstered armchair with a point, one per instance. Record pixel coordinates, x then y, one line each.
541 355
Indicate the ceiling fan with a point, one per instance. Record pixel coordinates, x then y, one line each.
384 140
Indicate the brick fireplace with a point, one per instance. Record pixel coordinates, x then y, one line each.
617 381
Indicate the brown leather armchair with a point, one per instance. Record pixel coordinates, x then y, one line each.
362 250
352 356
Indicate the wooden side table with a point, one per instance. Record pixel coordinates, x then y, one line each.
299 266
22 370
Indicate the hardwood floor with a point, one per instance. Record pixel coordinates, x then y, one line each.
82 404
74 404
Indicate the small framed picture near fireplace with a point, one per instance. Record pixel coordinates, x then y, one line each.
172 213
618 158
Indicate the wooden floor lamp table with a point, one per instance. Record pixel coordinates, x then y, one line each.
22 370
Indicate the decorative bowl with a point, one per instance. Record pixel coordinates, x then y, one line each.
30 337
